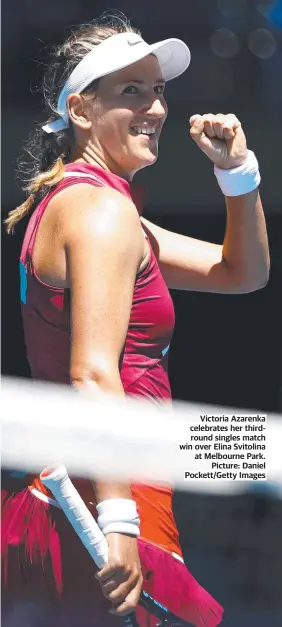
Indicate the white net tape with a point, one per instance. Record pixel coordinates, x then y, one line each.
102 437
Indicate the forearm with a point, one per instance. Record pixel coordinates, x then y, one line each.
105 490
245 254
110 383
245 247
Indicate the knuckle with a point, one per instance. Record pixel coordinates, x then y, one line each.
113 596
122 611
139 578
117 564
133 575
232 118
108 588
219 121
131 606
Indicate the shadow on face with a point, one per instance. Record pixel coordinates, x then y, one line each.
123 119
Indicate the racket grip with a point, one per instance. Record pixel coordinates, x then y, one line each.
56 479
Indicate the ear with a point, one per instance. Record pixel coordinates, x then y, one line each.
78 111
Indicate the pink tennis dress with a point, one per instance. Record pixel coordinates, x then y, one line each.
48 576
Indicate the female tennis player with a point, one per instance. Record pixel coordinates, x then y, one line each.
97 314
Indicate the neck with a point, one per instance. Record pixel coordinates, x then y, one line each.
90 154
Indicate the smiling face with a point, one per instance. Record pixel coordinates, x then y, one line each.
126 117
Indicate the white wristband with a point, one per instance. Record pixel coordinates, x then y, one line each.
118 516
242 180
130 529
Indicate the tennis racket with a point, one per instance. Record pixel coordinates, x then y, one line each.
57 480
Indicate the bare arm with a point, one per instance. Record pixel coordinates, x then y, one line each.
245 247
103 243
240 265
104 248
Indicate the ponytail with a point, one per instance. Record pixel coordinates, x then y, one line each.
43 179
49 154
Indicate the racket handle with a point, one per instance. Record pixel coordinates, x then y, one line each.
56 479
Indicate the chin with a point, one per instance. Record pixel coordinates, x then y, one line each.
149 159
138 162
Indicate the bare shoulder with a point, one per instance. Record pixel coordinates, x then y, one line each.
83 208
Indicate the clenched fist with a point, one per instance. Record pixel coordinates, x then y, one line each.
221 138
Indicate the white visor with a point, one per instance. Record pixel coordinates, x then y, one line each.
112 54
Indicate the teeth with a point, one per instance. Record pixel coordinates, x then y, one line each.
144 131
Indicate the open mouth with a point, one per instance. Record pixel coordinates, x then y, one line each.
145 132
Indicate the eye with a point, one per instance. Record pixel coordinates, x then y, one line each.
130 89
159 89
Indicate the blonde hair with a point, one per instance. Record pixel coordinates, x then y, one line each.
49 152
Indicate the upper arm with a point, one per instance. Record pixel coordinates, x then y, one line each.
190 264
103 243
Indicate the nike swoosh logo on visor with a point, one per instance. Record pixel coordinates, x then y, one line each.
133 43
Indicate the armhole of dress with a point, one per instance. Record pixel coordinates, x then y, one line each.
31 235
34 228
97 180
82 175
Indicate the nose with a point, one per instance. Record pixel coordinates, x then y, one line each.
157 107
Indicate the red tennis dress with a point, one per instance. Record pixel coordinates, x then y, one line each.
48 576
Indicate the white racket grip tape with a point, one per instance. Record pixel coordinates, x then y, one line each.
56 479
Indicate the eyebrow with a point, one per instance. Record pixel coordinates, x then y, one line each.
160 81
